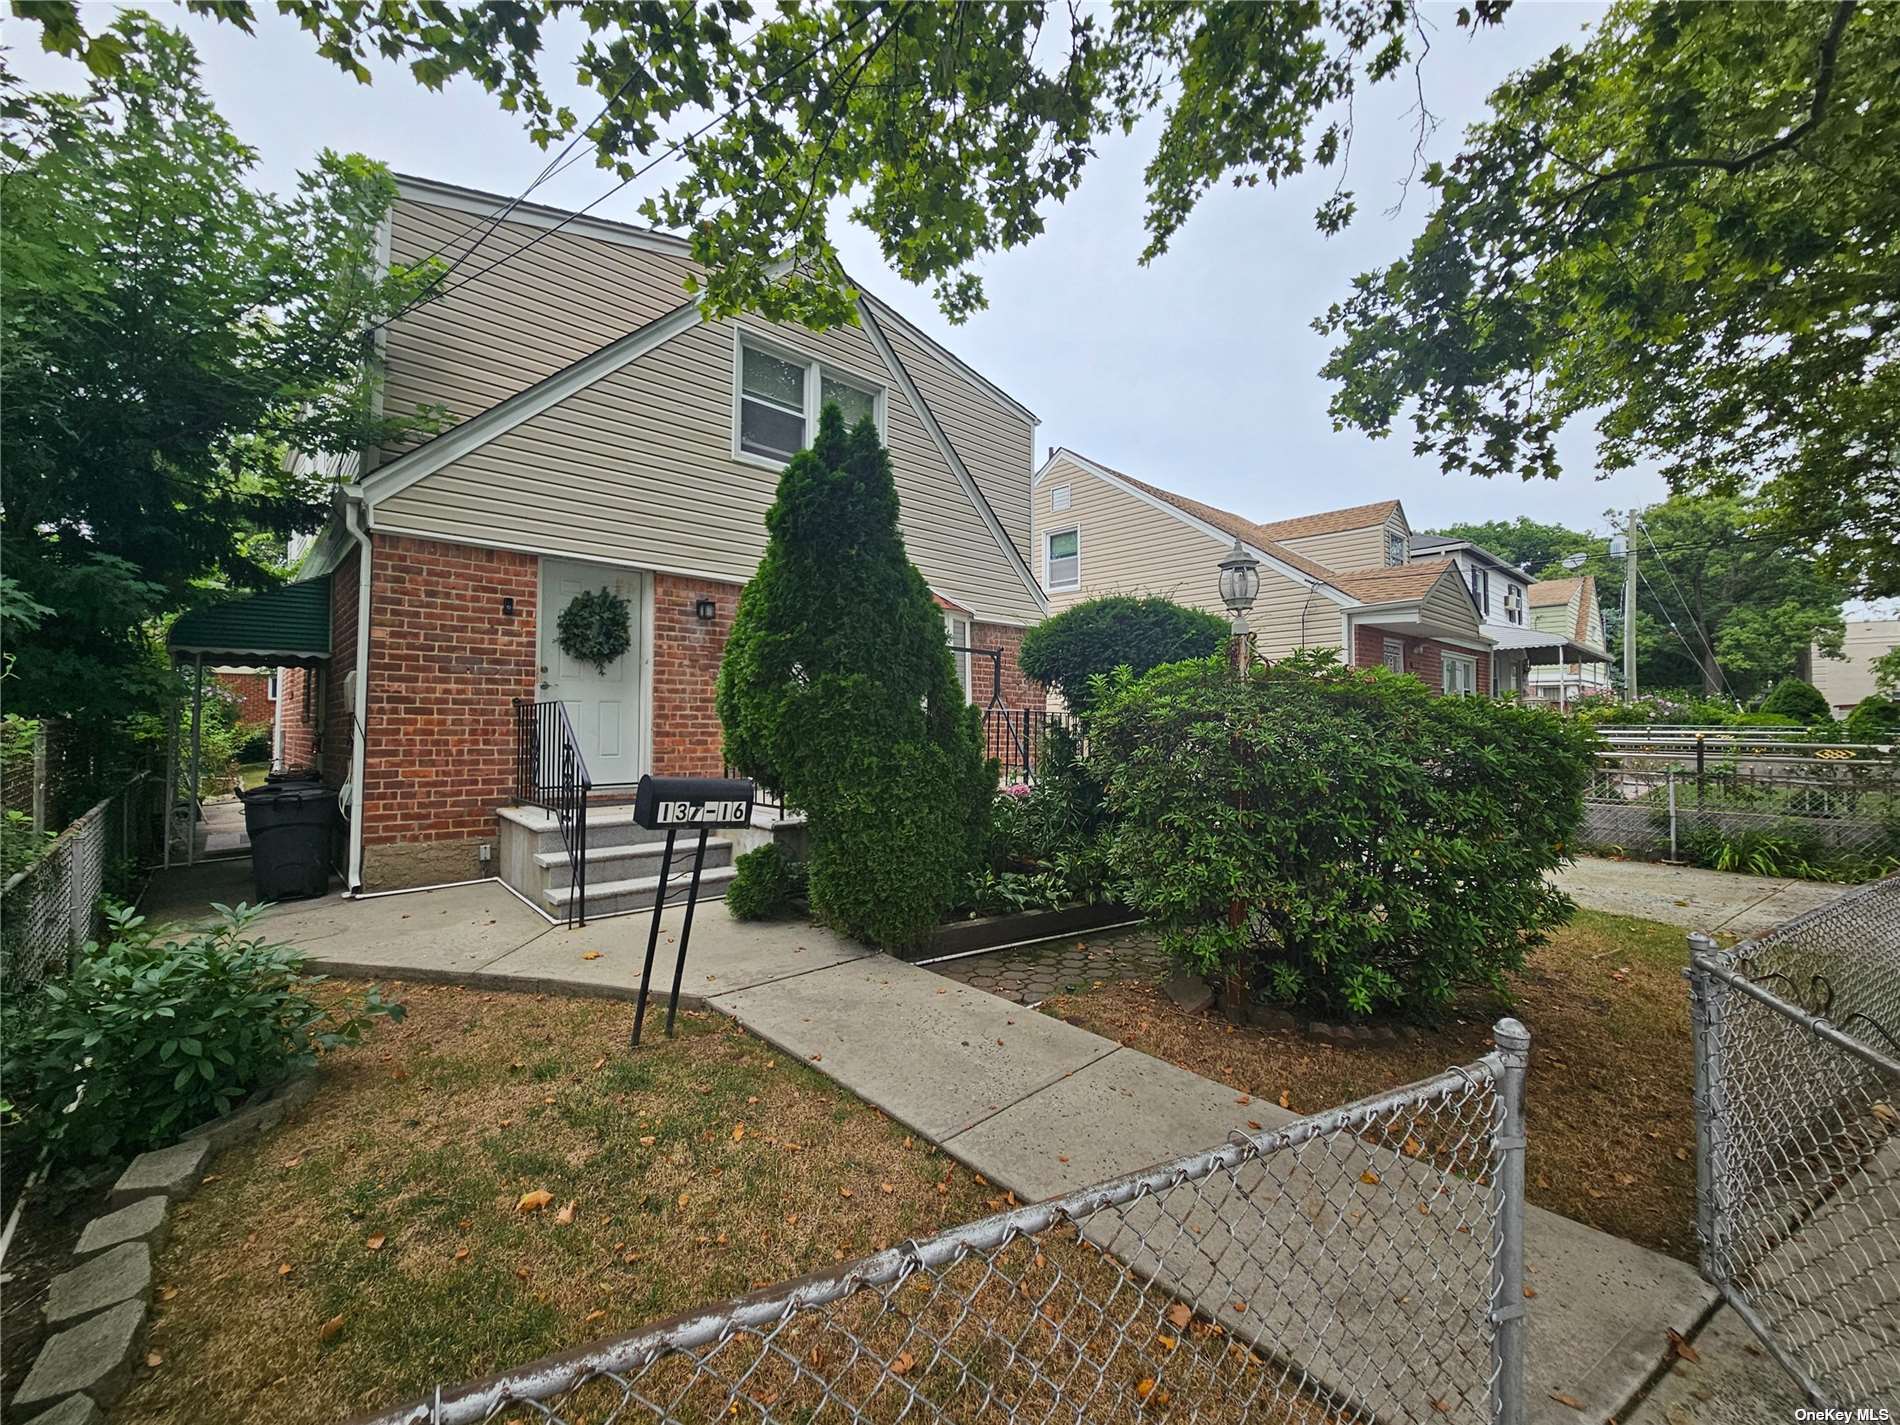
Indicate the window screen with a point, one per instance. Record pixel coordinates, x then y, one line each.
1064 565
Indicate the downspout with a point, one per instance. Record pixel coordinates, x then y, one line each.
356 520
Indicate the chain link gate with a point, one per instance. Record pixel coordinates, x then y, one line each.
1797 1104
1361 1264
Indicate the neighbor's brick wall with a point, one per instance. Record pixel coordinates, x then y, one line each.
339 740
297 713
1423 658
445 665
251 693
686 654
1019 691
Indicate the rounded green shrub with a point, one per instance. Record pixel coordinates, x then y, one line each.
767 884
1801 701
838 690
1875 718
1384 847
1115 631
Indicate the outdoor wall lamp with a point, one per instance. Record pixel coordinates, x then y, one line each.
1239 581
706 610
508 607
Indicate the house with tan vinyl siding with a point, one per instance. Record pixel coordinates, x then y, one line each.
598 432
1340 579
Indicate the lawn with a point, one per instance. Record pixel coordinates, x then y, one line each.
1608 1103
376 1243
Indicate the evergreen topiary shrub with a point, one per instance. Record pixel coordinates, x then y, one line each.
1801 701
1384 846
1115 631
838 690
767 884
1875 718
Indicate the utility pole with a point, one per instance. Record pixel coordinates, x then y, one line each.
1629 608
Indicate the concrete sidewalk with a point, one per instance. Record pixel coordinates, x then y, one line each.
1034 1104
1689 896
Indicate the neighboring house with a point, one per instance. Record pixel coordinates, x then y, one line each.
1844 681
1528 656
1341 579
253 692
601 434
1570 607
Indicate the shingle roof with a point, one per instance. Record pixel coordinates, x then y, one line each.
1549 593
1330 521
1386 584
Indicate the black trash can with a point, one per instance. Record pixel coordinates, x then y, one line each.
290 825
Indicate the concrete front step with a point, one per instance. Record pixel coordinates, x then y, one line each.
639 892
624 863
611 825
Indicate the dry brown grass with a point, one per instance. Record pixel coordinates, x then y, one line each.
372 1246
1611 1136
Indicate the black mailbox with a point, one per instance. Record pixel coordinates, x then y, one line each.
661 803
669 804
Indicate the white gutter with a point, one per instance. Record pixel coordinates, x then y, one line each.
356 518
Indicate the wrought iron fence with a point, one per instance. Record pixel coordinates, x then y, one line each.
1361 1264
1797 1109
50 910
1019 737
1815 810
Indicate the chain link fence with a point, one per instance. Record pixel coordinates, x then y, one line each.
1361 1264
1824 812
1798 1128
50 910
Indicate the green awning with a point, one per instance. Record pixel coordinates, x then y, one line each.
288 625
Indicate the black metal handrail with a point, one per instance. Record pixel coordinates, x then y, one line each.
551 773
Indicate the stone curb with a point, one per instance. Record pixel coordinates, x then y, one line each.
100 1306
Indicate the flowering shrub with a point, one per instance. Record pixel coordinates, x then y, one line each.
154 1035
1337 838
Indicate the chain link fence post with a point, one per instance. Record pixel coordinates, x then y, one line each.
1511 1406
1705 1027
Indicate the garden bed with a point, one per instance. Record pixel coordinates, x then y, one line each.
992 932
375 1243
1611 1131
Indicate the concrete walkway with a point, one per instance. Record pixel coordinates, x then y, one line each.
1689 896
1034 1104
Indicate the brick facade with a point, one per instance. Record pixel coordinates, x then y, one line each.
445 666
250 694
1424 657
297 711
686 654
1019 691
338 714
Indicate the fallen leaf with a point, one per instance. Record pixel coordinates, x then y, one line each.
682 1199
844 1192
153 1359
600 1063
534 1201
738 1132
292 1162
1570 1400
1442 1407
284 1270
1243 1100
1286 1098
461 1255
375 1244
1167 1343
1412 1148
1682 1348
591 955
1370 1178
1253 1125
905 1360
522 1272
1530 1293
592 1317
816 1057
647 1141
565 1215
886 1189
166 1293
1179 1314
330 1327
1145 1387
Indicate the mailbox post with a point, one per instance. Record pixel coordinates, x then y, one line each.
668 804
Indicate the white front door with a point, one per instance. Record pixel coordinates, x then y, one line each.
606 706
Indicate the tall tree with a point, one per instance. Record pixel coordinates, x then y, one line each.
168 337
1689 225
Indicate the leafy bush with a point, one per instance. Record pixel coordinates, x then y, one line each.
1116 631
1875 718
838 689
767 884
1801 701
1382 846
20 844
1008 892
1057 827
156 1034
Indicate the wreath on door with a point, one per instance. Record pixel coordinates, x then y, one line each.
593 627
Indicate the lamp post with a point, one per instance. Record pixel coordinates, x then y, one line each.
1239 587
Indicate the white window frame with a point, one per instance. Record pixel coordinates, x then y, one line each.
1059 498
1514 603
1397 550
1481 590
270 684
1048 539
956 633
1465 666
816 373
1394 648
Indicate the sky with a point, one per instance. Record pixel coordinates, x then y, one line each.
1199 372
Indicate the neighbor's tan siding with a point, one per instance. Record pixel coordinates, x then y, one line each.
1130 547
638 468
1362 548
540 312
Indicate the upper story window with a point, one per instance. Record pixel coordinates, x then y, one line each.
1059 498
1514 603
1394 548
1062 560
778 399
956 632
1481 590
